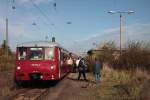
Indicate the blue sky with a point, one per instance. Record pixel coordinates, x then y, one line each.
90 21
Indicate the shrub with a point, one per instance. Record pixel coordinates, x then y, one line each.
135 56
7 62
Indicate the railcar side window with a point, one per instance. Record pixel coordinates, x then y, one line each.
49 53
22 53
36 54
63 57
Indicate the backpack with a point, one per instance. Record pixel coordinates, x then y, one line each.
81 66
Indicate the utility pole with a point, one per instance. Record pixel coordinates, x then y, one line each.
120 13
6 37
120 33
6 45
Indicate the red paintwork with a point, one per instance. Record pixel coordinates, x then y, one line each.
42 67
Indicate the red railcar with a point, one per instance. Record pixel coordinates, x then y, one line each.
40 60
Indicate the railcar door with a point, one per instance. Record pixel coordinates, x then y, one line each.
63 65
59 62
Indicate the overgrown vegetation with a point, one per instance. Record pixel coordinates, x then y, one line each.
6 62
7 66
128 70
128 84
135 56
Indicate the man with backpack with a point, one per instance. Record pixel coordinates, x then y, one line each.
81 69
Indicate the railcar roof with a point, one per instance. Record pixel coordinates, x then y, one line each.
39 44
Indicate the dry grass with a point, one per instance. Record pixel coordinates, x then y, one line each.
7 63
7 66
114 85
128 75
5 91
6 82
127 84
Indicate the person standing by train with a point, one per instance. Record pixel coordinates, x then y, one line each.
81 69
74 65
70 63
96 70
77 63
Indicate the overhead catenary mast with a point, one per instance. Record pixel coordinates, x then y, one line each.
6 45
121 13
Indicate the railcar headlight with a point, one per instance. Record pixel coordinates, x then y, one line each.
18 68
52 67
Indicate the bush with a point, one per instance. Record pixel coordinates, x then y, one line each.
135 56
7 62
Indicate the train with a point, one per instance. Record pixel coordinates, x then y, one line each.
40 60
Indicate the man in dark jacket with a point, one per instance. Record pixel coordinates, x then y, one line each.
81 68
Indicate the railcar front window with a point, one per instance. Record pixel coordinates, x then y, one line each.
22 53
49 53
36 54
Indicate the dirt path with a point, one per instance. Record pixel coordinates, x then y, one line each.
72 89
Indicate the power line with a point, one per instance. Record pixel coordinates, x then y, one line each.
42 13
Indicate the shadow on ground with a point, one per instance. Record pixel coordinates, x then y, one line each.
37 84
81 80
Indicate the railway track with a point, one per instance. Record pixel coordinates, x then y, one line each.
32 94
28 94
